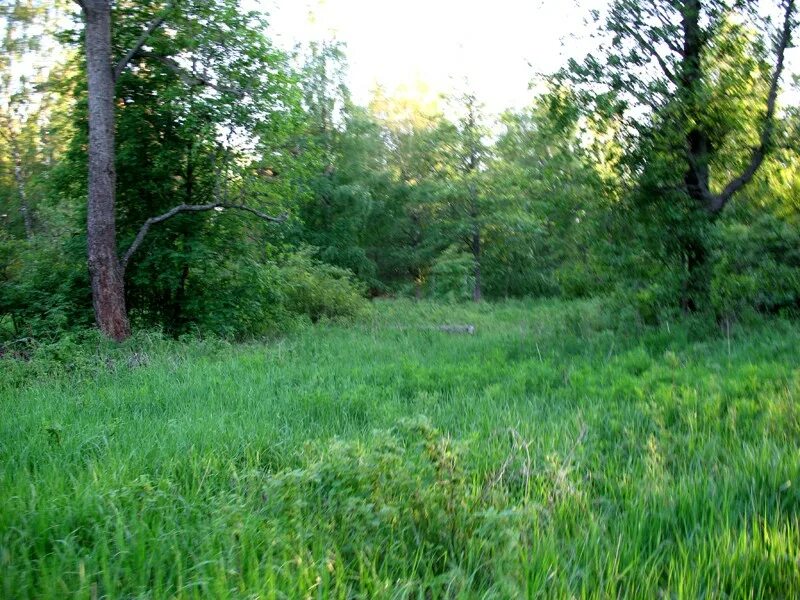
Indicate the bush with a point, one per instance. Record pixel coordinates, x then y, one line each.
638 303
44 286
318 290
757 268
451 276
579 279
249 299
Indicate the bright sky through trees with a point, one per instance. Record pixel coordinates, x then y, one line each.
499 46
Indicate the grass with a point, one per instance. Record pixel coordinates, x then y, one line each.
548 455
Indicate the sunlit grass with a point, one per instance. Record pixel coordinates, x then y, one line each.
548 455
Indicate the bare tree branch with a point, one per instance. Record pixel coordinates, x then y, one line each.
650 47
154 24
646 98
182 208
667 26
192 78
759 153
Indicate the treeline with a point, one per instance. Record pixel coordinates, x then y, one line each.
251 191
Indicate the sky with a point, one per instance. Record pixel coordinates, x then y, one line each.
497 46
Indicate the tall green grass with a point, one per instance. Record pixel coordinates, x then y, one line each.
547 455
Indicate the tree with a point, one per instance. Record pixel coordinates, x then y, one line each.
21 22
106 266
661 66
466 205
547 233
340 152
474 152
418 147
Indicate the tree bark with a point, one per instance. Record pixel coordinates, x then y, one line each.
477 292
19 179
697 175
105 271
474 208
179 297
697 260
697 141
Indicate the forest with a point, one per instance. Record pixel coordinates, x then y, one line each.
262 339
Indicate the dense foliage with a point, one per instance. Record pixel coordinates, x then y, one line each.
585 192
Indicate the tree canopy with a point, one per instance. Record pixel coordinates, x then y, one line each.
235 186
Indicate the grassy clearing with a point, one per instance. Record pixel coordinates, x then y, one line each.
544 456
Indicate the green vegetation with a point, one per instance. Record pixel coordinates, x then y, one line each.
199 398
556 452
661 168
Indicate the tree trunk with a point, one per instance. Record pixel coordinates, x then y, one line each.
697 283
180 293
476 263
179 298
105 271
698 144
19 179
416 275
473 164
477 292
696 177
415 243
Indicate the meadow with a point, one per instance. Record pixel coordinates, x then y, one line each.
554 452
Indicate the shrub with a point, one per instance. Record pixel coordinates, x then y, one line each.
757 268
406 496
44 287
318 290
451 276
249 299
